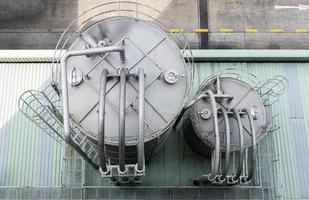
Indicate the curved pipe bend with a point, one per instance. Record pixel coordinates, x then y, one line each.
187 106
64 84
101 131
215 163
254 144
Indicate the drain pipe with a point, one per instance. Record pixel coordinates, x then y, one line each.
215 165
141 119
64 84
222 177
101 131
122 107
253 156
235 178
215 156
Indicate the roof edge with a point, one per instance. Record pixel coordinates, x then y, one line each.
251 55
199 55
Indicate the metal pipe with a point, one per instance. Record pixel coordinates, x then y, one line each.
241 151
201 96
215 166
101 131
64 81
253 156
227 152
122 107
186 107
141 119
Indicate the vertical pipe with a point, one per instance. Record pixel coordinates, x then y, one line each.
65 95
227 151
101 131
141 119
216 156
65 98
64 82
241 151
253 156
122 102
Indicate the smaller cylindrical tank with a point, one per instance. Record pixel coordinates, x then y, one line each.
233 95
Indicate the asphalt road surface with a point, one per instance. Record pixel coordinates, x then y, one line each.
216 24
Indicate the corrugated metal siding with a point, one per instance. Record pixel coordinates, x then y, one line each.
293 136
293 119
28 157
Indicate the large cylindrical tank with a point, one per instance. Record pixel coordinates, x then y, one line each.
167 83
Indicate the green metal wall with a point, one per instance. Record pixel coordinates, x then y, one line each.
293 138
176 164
30 158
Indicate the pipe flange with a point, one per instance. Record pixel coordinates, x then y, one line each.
139 171
104 173
205 113
221 179
171 76
122 172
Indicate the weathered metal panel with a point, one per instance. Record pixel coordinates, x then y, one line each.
293 119
28 157
291 141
